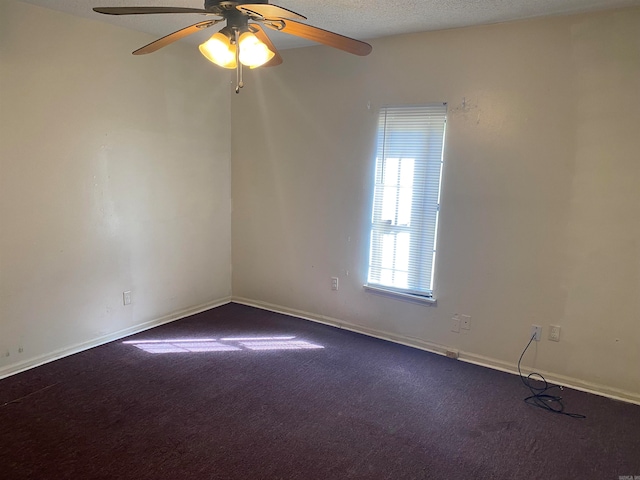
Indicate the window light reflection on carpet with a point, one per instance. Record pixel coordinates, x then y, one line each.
239 339
178 340
281 345
231 344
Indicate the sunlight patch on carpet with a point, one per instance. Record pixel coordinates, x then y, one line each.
226 344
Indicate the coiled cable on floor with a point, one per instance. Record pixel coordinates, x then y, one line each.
540 396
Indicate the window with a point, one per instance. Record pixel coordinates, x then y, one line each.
406 199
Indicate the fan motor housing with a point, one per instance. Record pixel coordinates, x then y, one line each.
227 5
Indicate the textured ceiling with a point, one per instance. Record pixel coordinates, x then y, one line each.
362 19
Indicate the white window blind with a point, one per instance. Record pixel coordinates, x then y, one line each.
407 198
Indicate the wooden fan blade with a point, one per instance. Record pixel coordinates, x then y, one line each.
174 37
147 10
325 37
264 38
269 12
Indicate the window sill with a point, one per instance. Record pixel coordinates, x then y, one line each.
401 296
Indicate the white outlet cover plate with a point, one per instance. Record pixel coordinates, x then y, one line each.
554 333
455 324
537 330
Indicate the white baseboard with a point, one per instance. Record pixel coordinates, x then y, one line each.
556 379
80 347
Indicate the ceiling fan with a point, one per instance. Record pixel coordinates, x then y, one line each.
241 42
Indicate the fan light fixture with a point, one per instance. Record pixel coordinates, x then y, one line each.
253 53
221 50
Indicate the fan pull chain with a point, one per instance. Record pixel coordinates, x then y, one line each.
239 82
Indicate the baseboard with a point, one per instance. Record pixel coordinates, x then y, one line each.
565 381
80 347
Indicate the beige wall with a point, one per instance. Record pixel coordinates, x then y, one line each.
114 177
541 193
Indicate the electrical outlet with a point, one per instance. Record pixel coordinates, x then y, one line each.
537 331
20 349
465 322
334 283
126 297
554 333
455 323
452 354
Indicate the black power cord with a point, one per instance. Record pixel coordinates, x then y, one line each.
540 396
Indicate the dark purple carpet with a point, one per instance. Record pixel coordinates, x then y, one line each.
357 408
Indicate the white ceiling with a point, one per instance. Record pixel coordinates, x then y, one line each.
361 19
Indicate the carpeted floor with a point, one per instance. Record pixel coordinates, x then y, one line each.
258 395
